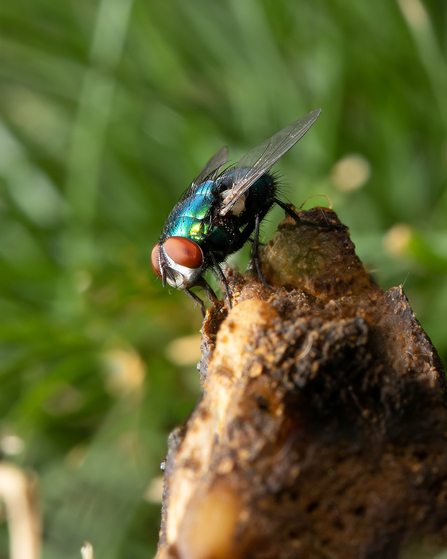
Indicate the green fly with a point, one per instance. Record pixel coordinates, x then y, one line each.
220 211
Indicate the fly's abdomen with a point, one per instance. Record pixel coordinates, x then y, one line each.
265 184
260 198
264 188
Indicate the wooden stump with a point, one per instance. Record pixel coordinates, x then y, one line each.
322 430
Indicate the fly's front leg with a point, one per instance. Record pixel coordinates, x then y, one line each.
208 292
197 300
223 280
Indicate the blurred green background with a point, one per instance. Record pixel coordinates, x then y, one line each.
108 109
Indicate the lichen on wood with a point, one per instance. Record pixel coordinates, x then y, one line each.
322 428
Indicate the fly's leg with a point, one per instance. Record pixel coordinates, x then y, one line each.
197 300
255 250
208 292
299 221
212 297
217 270
245 236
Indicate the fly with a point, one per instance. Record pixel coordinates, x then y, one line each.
220 211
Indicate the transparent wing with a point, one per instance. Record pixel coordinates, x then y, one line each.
260 159
214 164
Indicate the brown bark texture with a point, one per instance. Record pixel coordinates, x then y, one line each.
322 428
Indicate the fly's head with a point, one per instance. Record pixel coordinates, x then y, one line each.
177 261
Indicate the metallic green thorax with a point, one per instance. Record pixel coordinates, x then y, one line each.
187 219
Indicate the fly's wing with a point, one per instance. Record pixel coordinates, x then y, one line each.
213 166
260 159
209 172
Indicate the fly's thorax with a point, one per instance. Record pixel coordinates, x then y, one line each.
189 228
221 239
191 217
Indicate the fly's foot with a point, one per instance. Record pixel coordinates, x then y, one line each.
261 276
290 211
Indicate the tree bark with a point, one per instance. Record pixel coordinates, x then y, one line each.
322 428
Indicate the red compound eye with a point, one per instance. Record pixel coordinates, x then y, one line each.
183 252
154 259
